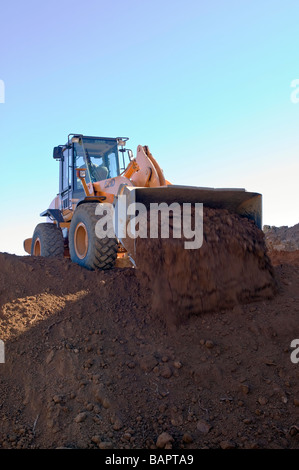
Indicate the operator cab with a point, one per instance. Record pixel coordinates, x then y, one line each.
100 156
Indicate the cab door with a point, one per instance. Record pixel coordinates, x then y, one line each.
65 179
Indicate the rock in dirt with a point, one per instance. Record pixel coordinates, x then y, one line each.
177 364
227 445
263 401
96 439
80 417
147 363
203 427
163 440
165 371
187 438
105 445
245 389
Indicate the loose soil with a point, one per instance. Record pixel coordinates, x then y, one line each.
89 364
230 268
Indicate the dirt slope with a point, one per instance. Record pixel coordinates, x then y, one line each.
88 366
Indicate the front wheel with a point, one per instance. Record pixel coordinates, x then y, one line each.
47 241
86 249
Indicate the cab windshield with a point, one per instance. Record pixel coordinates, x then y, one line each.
99 156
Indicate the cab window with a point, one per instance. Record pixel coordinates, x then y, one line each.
79 162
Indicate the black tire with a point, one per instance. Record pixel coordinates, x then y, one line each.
86 249
47 241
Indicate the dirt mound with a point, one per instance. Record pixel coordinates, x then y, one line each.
88 366
284 257
232 267
282 238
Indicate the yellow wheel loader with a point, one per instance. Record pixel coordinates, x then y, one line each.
98 170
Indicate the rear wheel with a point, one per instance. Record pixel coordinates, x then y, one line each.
86 249
47 241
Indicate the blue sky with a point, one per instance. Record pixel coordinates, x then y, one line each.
206 85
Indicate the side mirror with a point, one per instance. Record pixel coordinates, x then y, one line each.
58 153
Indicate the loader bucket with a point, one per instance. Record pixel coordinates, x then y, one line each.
239 201
225 265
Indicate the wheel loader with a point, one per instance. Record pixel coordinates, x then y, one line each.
97 170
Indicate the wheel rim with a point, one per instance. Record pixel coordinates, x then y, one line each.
37 248
81 240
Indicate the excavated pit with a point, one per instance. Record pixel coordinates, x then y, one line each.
231 267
